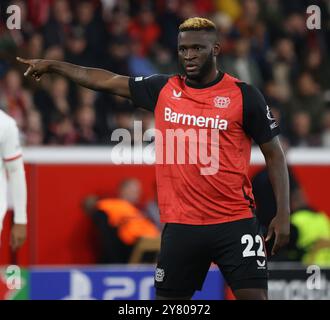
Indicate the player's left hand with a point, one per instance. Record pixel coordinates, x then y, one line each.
281 227
18 236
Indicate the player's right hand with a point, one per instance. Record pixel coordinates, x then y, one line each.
18 236
36 67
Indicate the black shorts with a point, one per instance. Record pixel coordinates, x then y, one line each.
188 250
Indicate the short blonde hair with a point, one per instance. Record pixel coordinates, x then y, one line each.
196 24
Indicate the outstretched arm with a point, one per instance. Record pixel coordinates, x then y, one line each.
278 174
92 78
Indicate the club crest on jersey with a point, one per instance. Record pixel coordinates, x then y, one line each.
221 102
159 275
176 94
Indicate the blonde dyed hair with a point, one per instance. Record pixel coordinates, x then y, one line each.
197 24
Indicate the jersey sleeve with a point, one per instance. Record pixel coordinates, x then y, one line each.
258 121
145 90
9 145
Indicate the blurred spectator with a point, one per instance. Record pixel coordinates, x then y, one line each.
39 11
91 28
295 28
241 64
313 233
85 121
55 107
260 46
59 93
58 26
138 64
54 53
265 43
106 107
227 32
76 52
118 25
284 67
118 55
163 60
62 131
247 21
308 98
232 8
318 66
13 98
86 97
272 14
144 30
301 135
169 22
120 223
326 129
35 46
187 10
125 120
34 130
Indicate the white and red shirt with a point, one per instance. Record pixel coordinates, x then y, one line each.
9 150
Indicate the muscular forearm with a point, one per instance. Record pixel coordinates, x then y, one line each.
279 178
91 78
95 79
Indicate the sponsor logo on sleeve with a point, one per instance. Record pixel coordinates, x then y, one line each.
176 94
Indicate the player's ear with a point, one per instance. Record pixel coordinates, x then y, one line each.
216 49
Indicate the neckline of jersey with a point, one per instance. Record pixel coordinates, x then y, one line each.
210 84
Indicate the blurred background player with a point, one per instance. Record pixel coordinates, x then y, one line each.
120 223
11 165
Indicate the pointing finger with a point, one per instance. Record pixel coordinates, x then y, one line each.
22 60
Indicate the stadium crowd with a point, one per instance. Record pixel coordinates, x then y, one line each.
265 43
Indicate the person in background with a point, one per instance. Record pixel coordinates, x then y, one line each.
325 137
120 223
11 164
312 245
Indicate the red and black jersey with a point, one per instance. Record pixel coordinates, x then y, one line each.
238 112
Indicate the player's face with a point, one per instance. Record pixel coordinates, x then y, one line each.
197 51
